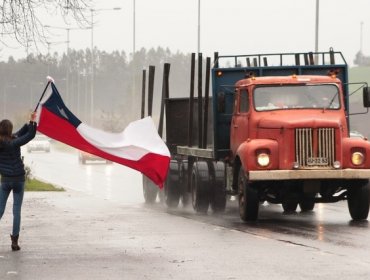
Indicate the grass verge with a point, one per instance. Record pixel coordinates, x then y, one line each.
34 185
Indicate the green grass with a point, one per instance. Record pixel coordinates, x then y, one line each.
34 185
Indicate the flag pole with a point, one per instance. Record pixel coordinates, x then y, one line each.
42 95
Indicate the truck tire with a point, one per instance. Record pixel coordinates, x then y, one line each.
172 187
185 195
200 187
358 201
218 200
289 206
150 190
309 204
306 206
248 198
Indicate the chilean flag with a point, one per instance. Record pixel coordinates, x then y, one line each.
139 146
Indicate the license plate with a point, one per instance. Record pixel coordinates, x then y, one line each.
317 161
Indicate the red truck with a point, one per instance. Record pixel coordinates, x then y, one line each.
280 133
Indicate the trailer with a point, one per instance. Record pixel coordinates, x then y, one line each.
275 129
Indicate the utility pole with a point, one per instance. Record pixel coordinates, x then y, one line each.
317 30
198 48
93 60
361 36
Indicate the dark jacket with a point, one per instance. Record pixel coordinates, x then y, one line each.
11 164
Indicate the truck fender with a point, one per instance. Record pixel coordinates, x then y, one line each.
248 151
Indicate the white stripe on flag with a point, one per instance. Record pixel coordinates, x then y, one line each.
138 139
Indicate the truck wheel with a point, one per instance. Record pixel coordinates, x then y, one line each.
172 187
185 195
248 198
150 190
309 204
218 201
200 187
358 201
306 206
289 206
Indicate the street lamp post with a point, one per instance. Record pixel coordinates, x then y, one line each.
51 43
67 29
31 92
317 30
4 98
198 49
361 24
134 29
92 69
93 59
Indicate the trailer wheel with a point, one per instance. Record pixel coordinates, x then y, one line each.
200 187
358 201
185 195
161 196
150 190
172 188
218 201
248 198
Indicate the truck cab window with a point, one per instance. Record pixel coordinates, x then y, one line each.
244 101
281 97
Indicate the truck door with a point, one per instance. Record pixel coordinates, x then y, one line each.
240 119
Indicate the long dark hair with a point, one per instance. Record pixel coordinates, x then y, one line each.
6 130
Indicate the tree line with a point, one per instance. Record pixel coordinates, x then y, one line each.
116 83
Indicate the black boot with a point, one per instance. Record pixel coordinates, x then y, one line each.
15 246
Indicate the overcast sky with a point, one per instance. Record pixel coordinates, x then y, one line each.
229 27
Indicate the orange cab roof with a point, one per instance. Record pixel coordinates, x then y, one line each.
293 79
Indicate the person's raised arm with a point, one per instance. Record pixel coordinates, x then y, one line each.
25 127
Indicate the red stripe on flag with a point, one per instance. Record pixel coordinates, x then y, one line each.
154 166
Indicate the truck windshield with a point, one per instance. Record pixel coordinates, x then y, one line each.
280 97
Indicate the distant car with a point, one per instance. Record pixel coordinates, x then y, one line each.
39 143
83 157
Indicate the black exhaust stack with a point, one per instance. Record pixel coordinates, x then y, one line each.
191 101
206 102
200 100
151 89
165 95
143 85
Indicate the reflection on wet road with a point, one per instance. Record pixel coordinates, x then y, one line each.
108 181
328 229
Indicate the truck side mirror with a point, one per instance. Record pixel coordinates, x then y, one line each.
366 97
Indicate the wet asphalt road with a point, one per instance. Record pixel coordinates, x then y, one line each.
324 244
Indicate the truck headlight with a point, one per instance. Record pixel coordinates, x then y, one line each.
263 159
357 158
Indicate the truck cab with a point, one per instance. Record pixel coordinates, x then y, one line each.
290 142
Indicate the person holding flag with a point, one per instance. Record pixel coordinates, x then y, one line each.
12 170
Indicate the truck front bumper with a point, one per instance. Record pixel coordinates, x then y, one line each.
268 175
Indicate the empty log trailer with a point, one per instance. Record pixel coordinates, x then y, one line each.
274 130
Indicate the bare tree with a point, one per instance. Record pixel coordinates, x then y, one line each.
20 19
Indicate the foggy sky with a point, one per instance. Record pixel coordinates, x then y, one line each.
229 27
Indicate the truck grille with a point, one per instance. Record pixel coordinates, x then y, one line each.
315 148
